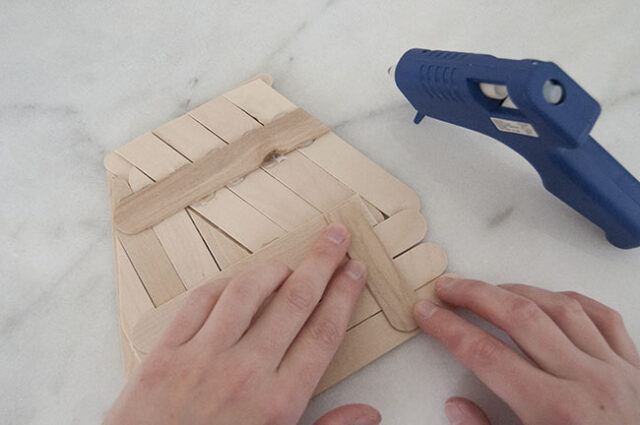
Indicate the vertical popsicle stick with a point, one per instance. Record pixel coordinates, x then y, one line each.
386 285
181 240
333 154
225 250
259 189
149 259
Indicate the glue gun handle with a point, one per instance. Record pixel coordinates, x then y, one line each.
593 183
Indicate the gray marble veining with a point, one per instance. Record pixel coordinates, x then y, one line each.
78 79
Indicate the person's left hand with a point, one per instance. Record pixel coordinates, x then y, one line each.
226 360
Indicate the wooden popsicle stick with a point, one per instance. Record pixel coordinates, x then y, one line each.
401 231
295 171
419 265
237 218
375 213
259 189
386 285
283 249
333 154
181 241
225 250
361 174
290 249
149 259
367 342
130 358
205 176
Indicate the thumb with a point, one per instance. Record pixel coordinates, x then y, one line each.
462 411
351 414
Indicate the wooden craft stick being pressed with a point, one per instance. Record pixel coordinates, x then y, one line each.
290 249
386 285
401 231
205 176
229 212
419 265
366 342
259 189
348 165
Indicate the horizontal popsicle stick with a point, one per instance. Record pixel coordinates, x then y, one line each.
230 213
259 189
215 170
383 280
401 231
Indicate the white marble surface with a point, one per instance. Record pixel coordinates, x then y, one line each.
78 79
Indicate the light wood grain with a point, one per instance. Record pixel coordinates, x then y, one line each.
401 231
203 177
290 249
224 249
229 212
361 174
181 240
149 259
254 103
367 342
386 285
259 189
419 265
338 158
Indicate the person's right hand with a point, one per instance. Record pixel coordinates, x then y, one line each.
584 368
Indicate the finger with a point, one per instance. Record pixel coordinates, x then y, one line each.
312 351
462 411
506 373
291 306
239 302
351 414
525 322
611 325
193 313
570 317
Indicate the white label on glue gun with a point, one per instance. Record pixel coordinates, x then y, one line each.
517 127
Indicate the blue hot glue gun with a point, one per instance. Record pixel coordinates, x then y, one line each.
540 112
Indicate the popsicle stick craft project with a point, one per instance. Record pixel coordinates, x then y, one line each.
246 178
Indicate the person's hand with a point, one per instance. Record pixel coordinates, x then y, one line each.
584 368
230 358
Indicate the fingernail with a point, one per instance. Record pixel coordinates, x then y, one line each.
454 413
444 283
336 233
354 269
367 420
426 309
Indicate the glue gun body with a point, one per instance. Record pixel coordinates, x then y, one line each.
540 112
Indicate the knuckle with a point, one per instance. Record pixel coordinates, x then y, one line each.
567 309
612 318
522 310
300 297
567 413
326 333
484 350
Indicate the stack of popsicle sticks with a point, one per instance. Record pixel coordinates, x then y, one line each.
260 212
